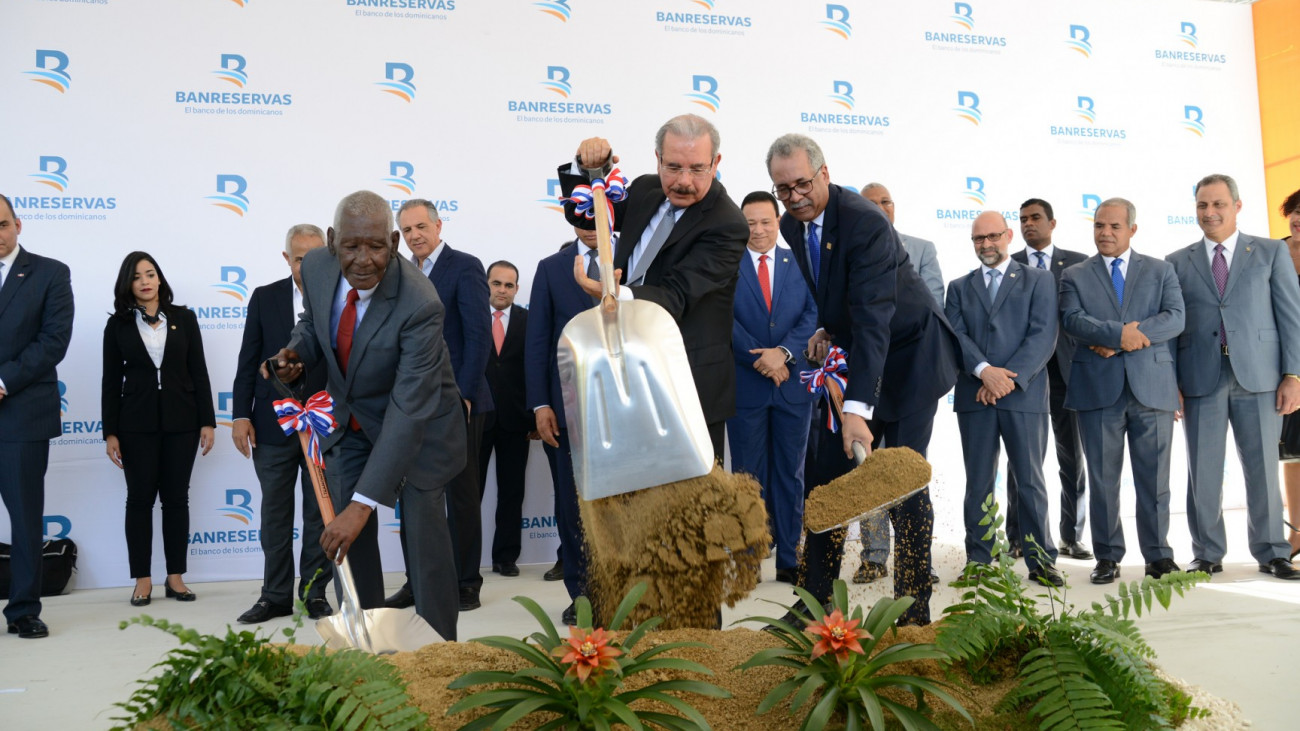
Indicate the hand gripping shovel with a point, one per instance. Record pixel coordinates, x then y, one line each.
633 414
376 631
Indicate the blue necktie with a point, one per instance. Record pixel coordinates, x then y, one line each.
1117 279
995 278
814 251
1042 260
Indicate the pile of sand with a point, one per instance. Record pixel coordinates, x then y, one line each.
885 476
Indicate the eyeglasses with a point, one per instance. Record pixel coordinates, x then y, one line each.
673 170
992 238
802 187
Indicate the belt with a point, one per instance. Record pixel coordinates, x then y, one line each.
1224 349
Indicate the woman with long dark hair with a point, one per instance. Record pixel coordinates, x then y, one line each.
157 411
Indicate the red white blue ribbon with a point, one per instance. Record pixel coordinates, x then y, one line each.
583 197
836 368
316 418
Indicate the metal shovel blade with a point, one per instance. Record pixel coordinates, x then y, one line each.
376 631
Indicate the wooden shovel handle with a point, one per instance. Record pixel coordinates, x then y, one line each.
604 249
837 402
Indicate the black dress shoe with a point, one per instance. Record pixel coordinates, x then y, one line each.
1278 567
570 616
1046 574
788 576
555 573
141 601
1016 551
318 608
1105 573
29 627
934 578
869 571
506 569
264 610
1075 549
1205 567
1156 569
469 599
180 596
401 599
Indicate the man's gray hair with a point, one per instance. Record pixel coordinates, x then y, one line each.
688 126
363 203
785 145
1129 209
872 186
1219 178
301 229
416 203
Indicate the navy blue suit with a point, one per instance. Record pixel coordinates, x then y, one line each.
555 299
35 328
769 433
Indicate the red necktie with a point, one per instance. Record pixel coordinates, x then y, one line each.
498 330
347 325
765 281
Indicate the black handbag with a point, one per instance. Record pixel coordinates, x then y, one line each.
58 561
1288 445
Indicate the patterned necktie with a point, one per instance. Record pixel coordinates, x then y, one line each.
593 271
347 326
653 246
1042 259
995 279
498 330
814 252
764 281
1117 279
1220 269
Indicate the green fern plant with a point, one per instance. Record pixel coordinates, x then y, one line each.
1080 669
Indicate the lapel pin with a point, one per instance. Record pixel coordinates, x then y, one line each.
1247 248
22 274
829 245
1011 275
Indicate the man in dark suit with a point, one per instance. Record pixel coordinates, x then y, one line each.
374 323
467 330
775 316
1036 226
35 328
1238 365
507 427
681 245
1005 317
556 298
278 459
901 351
1124 310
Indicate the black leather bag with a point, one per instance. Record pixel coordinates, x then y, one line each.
59 560
1288 445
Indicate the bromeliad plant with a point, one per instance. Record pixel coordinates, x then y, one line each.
580 679
836 662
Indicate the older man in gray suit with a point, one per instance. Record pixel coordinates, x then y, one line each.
374 322
1005 317
1124 309
1238 362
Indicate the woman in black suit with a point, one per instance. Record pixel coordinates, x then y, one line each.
157 410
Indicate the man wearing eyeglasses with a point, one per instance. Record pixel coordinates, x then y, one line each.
681 247
901 351
1005 316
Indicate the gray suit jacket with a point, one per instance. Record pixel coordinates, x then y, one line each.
1260 310
399 383
926 263
1016 331
1062 259
1091 313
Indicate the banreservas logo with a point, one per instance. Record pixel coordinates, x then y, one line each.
398 81
225 415
231 70
1078 40
968 107
1187 52
54 527
705 92
572 110
975 191
1085 108
401 176
403 9
552 200
239 506
558 9
230 194
842 96
837 21
1194 120
52 171
230 282
74 430
1088 206
51 70
63 397
972 193
709 22
965 38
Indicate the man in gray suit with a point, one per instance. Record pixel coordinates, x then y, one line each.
374 322
1238 362
1004 314
875 531
1036 226
1124 309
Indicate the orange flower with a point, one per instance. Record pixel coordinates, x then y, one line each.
838 636
587 652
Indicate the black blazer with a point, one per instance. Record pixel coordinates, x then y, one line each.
130 395
1061 260
505 375
35 329
267 329
467 328
693 276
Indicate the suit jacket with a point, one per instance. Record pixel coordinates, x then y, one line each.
1260 310
555 300
1016 331
693 276
1091 313
462 286
266 329
505 375
790 323
924 259
131 396
902 353
35 329
399 383
1061 260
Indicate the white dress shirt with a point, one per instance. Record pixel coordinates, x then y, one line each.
1229 246
341 301
1032 256
426 266
155 340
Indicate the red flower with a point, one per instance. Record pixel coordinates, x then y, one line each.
588 652
838 636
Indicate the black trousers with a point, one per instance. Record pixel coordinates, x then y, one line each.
22 486
511 448
157 467
1070 463
281 469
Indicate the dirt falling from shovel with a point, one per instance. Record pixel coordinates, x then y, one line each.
884 476
698 543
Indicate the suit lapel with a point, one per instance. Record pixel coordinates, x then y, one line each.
441 266
784 274
980 289
1201 264
15 278
1135 268
1103 278
377 311
749 275
639 214
320 291
515 333
1011 279
1242 257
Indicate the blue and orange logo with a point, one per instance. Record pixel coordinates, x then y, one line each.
968 107
557 80
230 194
975 191
1193 120
397 81
51 70
240 3
1187 33
225 415
558 9
232 69
837 21
705 92
61 525
1084 109
401 175
963 15
232 283
842 93
1079 36
239 506
706 4
63 397
1089 209
552 199
51 173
